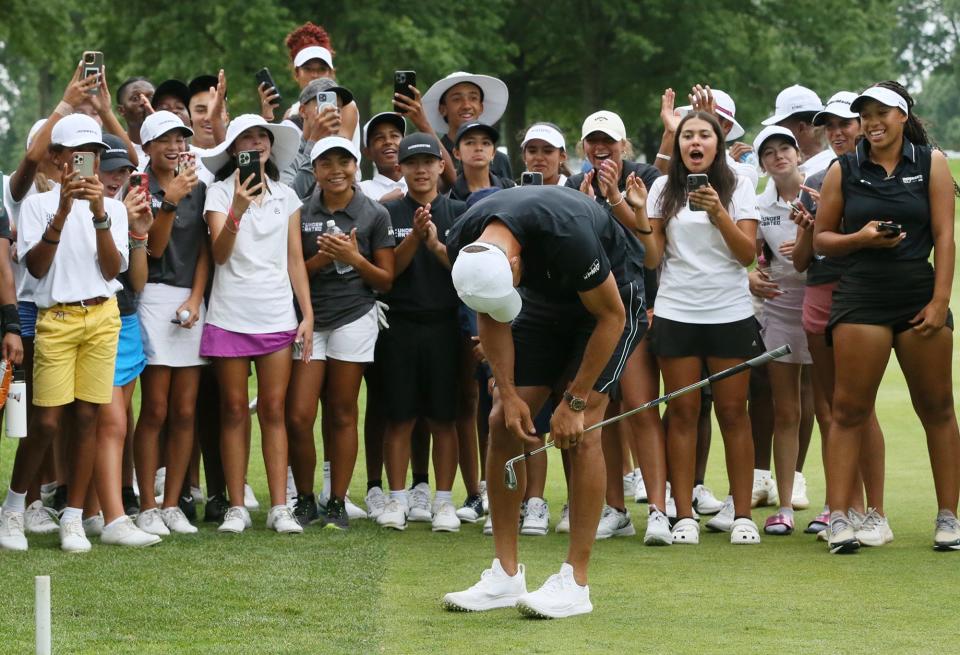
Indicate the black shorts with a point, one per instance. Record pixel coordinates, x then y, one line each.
547 352
890 294
417 362
735 340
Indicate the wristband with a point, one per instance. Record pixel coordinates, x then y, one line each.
12 328
137 237
167 206
234 230
56 229
63 108
232 218
664 157
50 241
135 244
639 231
619 202
10 316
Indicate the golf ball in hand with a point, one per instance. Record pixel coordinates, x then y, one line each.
184 315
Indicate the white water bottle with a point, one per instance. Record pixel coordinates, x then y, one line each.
16 414
333 230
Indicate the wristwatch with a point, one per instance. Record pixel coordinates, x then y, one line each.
574 403
167 206
102 223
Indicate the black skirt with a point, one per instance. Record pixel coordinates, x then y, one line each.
734 340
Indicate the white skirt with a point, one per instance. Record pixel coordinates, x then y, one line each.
166 343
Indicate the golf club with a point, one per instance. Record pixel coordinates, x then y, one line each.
510 475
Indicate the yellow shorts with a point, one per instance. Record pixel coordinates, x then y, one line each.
75 352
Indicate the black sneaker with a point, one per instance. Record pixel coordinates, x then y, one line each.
131 504
189 508
336 514
472 510
59 499
305 509
216 508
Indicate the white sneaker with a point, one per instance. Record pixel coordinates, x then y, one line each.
764 490
841 535
72 538
799 499
563 525
483 497
559 597
946 533
875 530
704 501
394 515
353 512
249 499
93 526
671 509
49 489
856 518
744 531
39 519
11 531
658 529
495 590
196 493
686 531
176 521
236 520
420 503
376 502
629 484
158 483
151 522
639 487
488 526
445 518
614 523
291 493
126 533
281 519
723 521
536 522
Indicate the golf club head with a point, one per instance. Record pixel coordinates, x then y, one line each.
509 476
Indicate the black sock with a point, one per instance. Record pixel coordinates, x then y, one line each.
374 483
698 482
737 518
420 477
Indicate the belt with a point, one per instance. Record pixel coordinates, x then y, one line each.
99 300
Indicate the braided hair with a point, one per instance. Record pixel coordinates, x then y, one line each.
305 36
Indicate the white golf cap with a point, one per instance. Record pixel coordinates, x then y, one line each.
838 105
76 130
33 131
884 96
286 142
484 281
159 123
544 132
313 52
332 143
495 97
604 121
727 109
772 131
794 99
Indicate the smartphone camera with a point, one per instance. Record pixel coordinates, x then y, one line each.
531 178
244 158
325 98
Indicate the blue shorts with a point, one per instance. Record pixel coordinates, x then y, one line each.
130 358
28 318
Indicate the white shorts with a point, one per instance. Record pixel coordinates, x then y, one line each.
353 342
165 343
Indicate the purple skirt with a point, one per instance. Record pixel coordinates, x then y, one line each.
217 342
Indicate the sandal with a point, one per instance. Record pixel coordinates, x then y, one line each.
778 524
821 522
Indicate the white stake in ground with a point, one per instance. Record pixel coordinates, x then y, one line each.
42 586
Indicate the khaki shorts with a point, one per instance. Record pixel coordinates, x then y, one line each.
75 354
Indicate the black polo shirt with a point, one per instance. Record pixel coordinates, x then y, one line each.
500 166
424 289
461 190
568 245
869 194
822 269
178 263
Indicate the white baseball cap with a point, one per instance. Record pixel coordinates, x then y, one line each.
76 130
838 105
484 281
159 123
727 108
331 143
313 52
794 99
286 142
884 96
544 132
495 97
772 131
604 121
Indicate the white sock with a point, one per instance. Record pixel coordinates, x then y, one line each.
276 506
760 474
400 496
71 513
638 473
787 511
443 496
15 502
115 522
326 479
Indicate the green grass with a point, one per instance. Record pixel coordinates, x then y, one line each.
367 591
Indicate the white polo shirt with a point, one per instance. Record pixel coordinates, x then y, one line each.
775 228
701 281
817 163
381 185
74 274
251 292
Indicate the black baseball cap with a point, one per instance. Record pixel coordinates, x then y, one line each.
469 127
116 155
202 84
174 88
391 117
419 144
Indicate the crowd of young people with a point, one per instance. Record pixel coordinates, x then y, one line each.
250 243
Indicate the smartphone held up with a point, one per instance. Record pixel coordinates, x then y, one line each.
92 65
696 181
248 162
83 163
402 81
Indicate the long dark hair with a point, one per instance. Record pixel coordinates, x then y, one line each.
721 177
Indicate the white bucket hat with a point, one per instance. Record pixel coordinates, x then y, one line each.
286 142
495 97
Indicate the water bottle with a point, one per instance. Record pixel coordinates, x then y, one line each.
16 414
333 230
750 158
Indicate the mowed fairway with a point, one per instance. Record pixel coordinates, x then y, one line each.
369 591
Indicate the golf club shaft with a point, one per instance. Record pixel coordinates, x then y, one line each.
759 360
